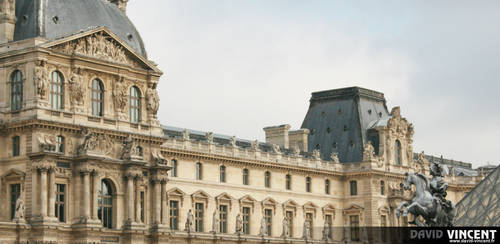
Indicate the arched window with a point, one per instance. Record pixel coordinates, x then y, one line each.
288 182
267 179
105 204
135 105
382 187
16 90
174 168
222 173
308 184
60 144
245 176
354 187
327 186
57 90
97 98
397 152
199 172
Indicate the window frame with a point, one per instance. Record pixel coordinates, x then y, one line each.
245 216
135 105
246 174
16 146
60 205
308 184
106 208
174 169
353 188
268 215
15 193
223 216
354 227
267 179
222 174
57 90
198 216
60 147
16 90
97 97
382 188
199 171
327 187
288 182
173 214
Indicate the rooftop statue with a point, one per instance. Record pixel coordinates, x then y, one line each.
429 201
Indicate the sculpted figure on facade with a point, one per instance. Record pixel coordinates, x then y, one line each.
296 151
19 212
210 137
263 226
239 224
89 141
41 77
368 152
47 143
232 141
334 156
326 231
286 227
120 94
129 149
185 134
306 230
276 148
76 88
157 157
255 145
316 154
153 100
215 222
189 227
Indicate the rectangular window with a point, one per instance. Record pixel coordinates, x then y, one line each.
267 179
60 144
289 216
245 176
288 182
246 220
354 219
60 202
354 188
15 192
198 217
329 220
383 224
382 188
309 218
223 218
174 215
16 146
142 206
268 213
174 168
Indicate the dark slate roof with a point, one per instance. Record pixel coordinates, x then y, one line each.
481 206
339 120
54 19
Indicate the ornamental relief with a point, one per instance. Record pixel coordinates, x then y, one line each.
97 45
94 143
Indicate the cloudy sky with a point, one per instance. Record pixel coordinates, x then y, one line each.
234 67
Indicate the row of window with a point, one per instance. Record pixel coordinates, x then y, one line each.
267 179
57 95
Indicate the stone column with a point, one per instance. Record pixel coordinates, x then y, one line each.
138 200
130 198
95 187
164 215
52 193
86 194
157 201
43 192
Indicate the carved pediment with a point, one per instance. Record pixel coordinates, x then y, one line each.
247 200
13 173
201 196
354 208
309 206
224 198
269 203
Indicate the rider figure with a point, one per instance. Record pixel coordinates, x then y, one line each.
438 187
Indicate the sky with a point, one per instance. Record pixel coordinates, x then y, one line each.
234 67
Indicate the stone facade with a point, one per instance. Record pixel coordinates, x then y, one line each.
84 159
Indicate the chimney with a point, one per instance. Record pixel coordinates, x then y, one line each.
7 20
278 135
298 138
122 4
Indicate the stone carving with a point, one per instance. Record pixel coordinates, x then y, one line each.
286 227
368 152
94 143
334 156
97 45
239 224
153 100
429 199
327 231
189 222
19 213
255 145
157 157
76 88
47 143
185 134
120 94
215 222
263 226
41 78
210 137
276 148
233 141
130 149
89 141
307 230
316 154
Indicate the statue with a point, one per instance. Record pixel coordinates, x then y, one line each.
276 148
19 214
153 100
239 224
233 141
335 157
316 154
41 79
368 152
327 231
120 94
296 151
286 227
429 201
307 230
210 137
185 135
255 145
76 90
189 222
263 226
215 222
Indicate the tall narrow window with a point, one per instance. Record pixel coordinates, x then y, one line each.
309 218
308 184
174 215
246 220
354 187
57 90
289 216
223 218
288 182
382 187
15 192
354 219
267 179
383 224
327 187
199 172
60 202
245 176
198 217
397 152
60 144
174 168
16 146
142 198
222 173
16 91
135 105
105 204
97 98
268 215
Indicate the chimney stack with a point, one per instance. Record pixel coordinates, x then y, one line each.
278 135
7 20
122 4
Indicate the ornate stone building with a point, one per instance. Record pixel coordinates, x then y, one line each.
84 158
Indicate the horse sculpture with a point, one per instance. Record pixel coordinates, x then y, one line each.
428 203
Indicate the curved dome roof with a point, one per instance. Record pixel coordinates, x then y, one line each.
54 19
